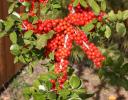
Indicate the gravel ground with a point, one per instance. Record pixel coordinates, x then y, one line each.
102 91
91 80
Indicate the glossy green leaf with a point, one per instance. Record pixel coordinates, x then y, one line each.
64 92
13 37
75 3
15 15
66 85
56 6
11 8
83 3
48 85
36 83
88 27
28 34
24 16
26 90
39 96
75 98
103 5
112 16
51 55
8 24
94 6
108 32
2 34
125 14
120 15
15 49
98 25
51 96
121 29
26 4
80 91
16 59
21 59
42 40
1 25
75 82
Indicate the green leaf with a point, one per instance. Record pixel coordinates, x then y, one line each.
88 27
27 4
120 15
26 90
64 92
98 25
121 29
15 49
85 96
83 3
44 77
2 34
75 98
21 59
11 8
8 24
125 14
56 6
13 37
51 96
112 16
66 85
36 83
39 96
1 26
48 85
75 3
94 6
52 75
74 95
75 82
28 34
80 91
24 16
16 59
42 40
27 42
15 15
51 55
103 5
107 32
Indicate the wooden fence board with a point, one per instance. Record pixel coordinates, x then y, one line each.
7 67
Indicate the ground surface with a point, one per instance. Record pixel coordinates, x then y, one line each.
91 81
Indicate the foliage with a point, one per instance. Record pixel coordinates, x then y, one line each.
108 28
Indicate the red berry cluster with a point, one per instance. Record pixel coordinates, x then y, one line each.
66 34
89 48
61 44
26 25
40 1
32 2
86 15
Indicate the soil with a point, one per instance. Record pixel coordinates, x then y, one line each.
92 82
